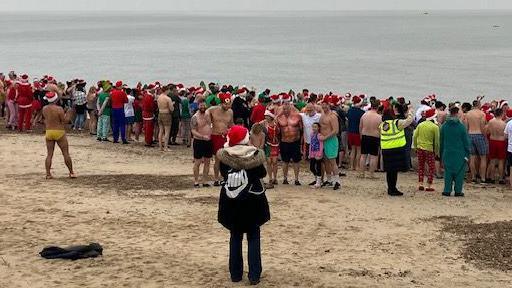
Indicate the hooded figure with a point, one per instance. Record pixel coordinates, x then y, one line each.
243 205
454 152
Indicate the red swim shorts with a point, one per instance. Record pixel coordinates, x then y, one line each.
497 149
217 142
354 139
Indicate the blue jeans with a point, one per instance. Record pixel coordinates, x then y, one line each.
236 262
118 124
79 121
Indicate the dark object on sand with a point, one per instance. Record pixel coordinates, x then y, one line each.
92 250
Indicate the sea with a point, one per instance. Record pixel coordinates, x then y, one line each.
455 54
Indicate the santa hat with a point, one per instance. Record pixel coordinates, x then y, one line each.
269 114
237 135
326 99
51 97
509 113
275 98
225 97
119 84
502 103
356 100
431 114
286 97
335 100
242 92
151 86
24 78
51 79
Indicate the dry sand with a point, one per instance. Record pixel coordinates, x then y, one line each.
165 233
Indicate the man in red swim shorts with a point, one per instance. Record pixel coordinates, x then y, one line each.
222 119
497 146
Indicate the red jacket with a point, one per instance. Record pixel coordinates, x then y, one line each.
25 95
148 106
118 98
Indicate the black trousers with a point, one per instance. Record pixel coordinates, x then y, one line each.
391 178
236 263
315 166
175 127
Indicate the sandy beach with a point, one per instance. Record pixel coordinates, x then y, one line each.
165 233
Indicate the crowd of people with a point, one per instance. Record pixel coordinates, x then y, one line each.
330 131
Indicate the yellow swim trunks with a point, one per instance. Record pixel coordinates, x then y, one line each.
54 135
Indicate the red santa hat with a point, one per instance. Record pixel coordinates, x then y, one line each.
151 86
119 84
326 99
286 97
509 113
51 79
268 113
237 135
24 78
430 114
242 91
356 100
502 103
275 98
225 97
51 97
335 100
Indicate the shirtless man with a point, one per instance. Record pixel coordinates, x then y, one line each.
370 139
329 128
475 120
221 118
497 146
165 108
54 120
203 150
290 124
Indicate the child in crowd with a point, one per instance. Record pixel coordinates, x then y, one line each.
316 155
272 132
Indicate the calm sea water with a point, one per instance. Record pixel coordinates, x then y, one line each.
455 54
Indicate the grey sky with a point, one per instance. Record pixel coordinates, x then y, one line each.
252 5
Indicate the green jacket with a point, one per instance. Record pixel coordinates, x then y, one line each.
426 137
454 141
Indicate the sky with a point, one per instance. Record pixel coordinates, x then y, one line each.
251 5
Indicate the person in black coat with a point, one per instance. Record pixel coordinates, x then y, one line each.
243 205
240 107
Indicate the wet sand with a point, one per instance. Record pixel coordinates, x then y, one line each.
158 231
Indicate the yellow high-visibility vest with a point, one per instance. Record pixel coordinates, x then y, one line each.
390 136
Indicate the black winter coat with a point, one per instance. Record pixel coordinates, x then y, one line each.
249 208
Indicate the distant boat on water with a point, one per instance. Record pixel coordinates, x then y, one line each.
496 26
425 13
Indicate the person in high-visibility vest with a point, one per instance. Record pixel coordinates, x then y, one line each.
393 144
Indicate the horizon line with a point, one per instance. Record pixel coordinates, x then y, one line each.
265 10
